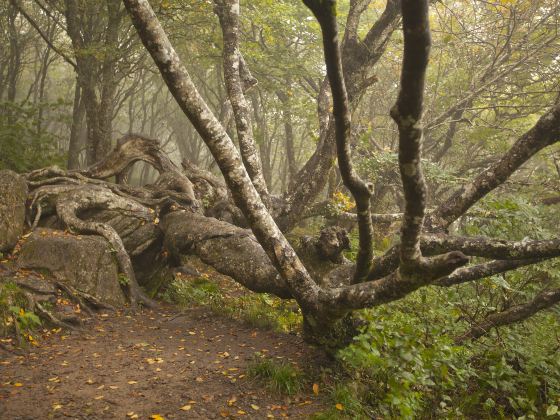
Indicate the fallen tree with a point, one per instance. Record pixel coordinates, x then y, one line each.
165 220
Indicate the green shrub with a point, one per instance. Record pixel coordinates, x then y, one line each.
13 307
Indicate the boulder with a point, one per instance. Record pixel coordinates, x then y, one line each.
82 261
13 193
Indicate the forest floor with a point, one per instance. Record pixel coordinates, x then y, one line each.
154 364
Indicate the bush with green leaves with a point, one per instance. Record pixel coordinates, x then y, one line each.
23 146
13 308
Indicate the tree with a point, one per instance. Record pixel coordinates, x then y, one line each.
264 261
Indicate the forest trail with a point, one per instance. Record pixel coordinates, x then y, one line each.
152 363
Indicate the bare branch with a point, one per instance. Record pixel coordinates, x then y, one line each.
51 45
544 133
543 300
475 272
228 13
246 197
325 13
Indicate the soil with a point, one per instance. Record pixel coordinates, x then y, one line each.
152 363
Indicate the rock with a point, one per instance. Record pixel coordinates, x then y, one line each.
84 262
13 193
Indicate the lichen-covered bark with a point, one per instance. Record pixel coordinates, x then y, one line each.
224 152
230 250
479 271
407 113
361 191
228 13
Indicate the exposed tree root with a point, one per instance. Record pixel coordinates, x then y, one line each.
69 205
45 314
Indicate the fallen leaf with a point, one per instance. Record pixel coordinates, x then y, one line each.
157 417
186 407
316 389
18 384
339 406
132 382
255 407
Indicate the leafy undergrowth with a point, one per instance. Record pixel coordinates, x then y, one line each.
226 298
16 320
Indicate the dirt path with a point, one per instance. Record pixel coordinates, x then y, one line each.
152 363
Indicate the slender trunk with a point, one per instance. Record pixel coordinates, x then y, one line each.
75 145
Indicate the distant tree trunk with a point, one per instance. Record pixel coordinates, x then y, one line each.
14 64
97 80
288 130
75 145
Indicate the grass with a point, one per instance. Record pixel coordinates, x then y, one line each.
186 294
279 377
344 399
257 310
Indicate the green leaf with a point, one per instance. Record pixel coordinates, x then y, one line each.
552 410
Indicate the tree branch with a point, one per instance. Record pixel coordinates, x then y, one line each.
325 12
544 133
475 272
543 300
228 14
34 24
224 152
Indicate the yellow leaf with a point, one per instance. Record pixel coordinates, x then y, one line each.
186 407
157 417
18 384
255 407
132 382
339 406
316 389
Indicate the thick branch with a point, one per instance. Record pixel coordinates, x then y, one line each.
543 300
407 113
544 133
228 13
475 272
326 15
224 152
